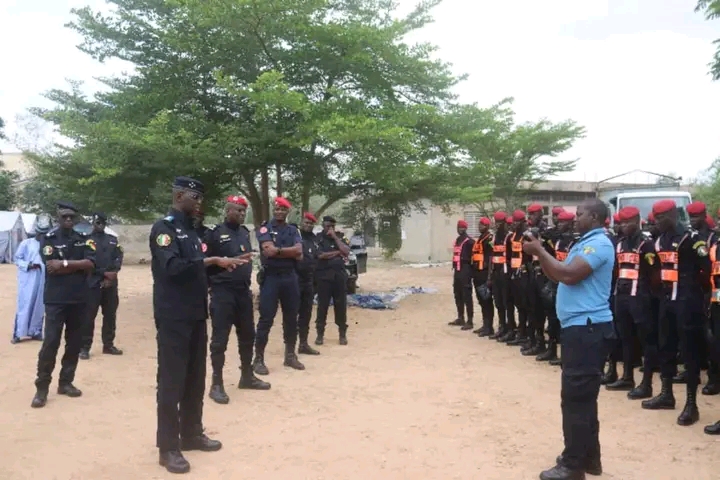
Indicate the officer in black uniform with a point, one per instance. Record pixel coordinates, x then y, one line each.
306 279
498 280
481 254
462 276
180 301
536 284
68 257
103 285
281 248
637 270
199 222
230 298
331 279
685 270
518 264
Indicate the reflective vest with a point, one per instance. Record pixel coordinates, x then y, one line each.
629 266
478 252
457 250
714 274
669 264
559 256
516 252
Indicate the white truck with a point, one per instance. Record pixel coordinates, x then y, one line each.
645 200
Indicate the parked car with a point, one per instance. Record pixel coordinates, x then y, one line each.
356 262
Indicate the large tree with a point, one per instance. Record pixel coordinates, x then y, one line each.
711 10
295 97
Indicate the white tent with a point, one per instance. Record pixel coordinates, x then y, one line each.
29 220
12 232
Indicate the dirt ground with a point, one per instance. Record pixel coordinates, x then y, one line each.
409 397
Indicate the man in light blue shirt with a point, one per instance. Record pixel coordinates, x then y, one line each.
583 309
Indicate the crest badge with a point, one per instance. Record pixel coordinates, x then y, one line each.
47 250
203 246
263 230
163 240
91 243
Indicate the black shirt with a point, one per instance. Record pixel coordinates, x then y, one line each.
282 235
306 268
644 248
61 245
692 258
108 257
326 244
228 240
180 284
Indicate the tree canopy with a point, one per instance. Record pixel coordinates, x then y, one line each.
711 10
302 98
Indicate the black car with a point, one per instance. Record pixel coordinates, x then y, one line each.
356 263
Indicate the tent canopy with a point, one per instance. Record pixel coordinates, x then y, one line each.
12 233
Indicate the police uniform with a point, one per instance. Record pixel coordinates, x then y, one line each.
331 278
480 261
498 278
231 304
536 285
180 304
462 280
636 265
306 280
65 297
280 282
108 258
518 267
683 257
713 333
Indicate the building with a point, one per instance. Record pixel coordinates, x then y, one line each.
15 162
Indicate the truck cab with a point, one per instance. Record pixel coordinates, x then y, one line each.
644 201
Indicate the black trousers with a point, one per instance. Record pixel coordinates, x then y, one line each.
714 337
72 317
584 349
231 308
519 286
479 278
331 284
500 296
182 355
462 290
553 321
682 326
307 295
106 299
634 320
282 287
536 306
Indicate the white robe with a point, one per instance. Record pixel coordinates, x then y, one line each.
31 286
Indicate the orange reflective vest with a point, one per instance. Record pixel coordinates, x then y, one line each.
516 253
478 252
669 264
457 250
629 265
714 274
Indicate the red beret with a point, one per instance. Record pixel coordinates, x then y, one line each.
616 217
557 210
518 216
237 200
663 206
696 208
565 216
462 224
310 217
484 221
282 202
651 217
710 222
628 213
534 208
500 216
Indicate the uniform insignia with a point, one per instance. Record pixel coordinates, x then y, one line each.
698 244
169 218
588 250
675 245
224 236
242 248
163 240
263 230
91 243
203 245
650 258
47 250
702 251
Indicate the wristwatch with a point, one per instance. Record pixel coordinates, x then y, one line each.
65 264
279 250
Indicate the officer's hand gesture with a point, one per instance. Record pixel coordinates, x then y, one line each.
230 263
532 245
54 266
331 232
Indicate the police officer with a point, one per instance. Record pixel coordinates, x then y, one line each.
637 270
518 263
180 308
536 284
616 352
497 278
281 248
331 279
713 333
563 241
684 260
462 280
230 298
68 257
306 279
103 285
480 261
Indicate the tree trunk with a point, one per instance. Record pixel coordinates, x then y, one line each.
305 196
265 194
279 187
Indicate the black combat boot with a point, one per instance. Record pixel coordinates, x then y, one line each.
320 339
306 349
556 362
343 336
644 390
690 414
84 354
217 390
248 380
291 360
486 332
508 336
502 330
664 401
713 385
259 362
624 384
713 429
69 389
467 325
550 353
538 348
40 398
458 322
611 374
680 378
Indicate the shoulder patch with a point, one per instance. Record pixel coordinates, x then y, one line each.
91 243
698 244
163 240
587 250
650 258
47 250
263 230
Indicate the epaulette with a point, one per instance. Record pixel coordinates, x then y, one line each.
52 232
169 219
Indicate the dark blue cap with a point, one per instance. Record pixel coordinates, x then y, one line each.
328 218
62 205
189 184
99 217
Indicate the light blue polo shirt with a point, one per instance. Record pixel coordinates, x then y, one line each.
589 298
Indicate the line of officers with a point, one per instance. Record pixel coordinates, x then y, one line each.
665 296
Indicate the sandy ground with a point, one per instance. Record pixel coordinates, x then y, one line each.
409 398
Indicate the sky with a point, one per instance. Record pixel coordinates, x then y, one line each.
633 74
